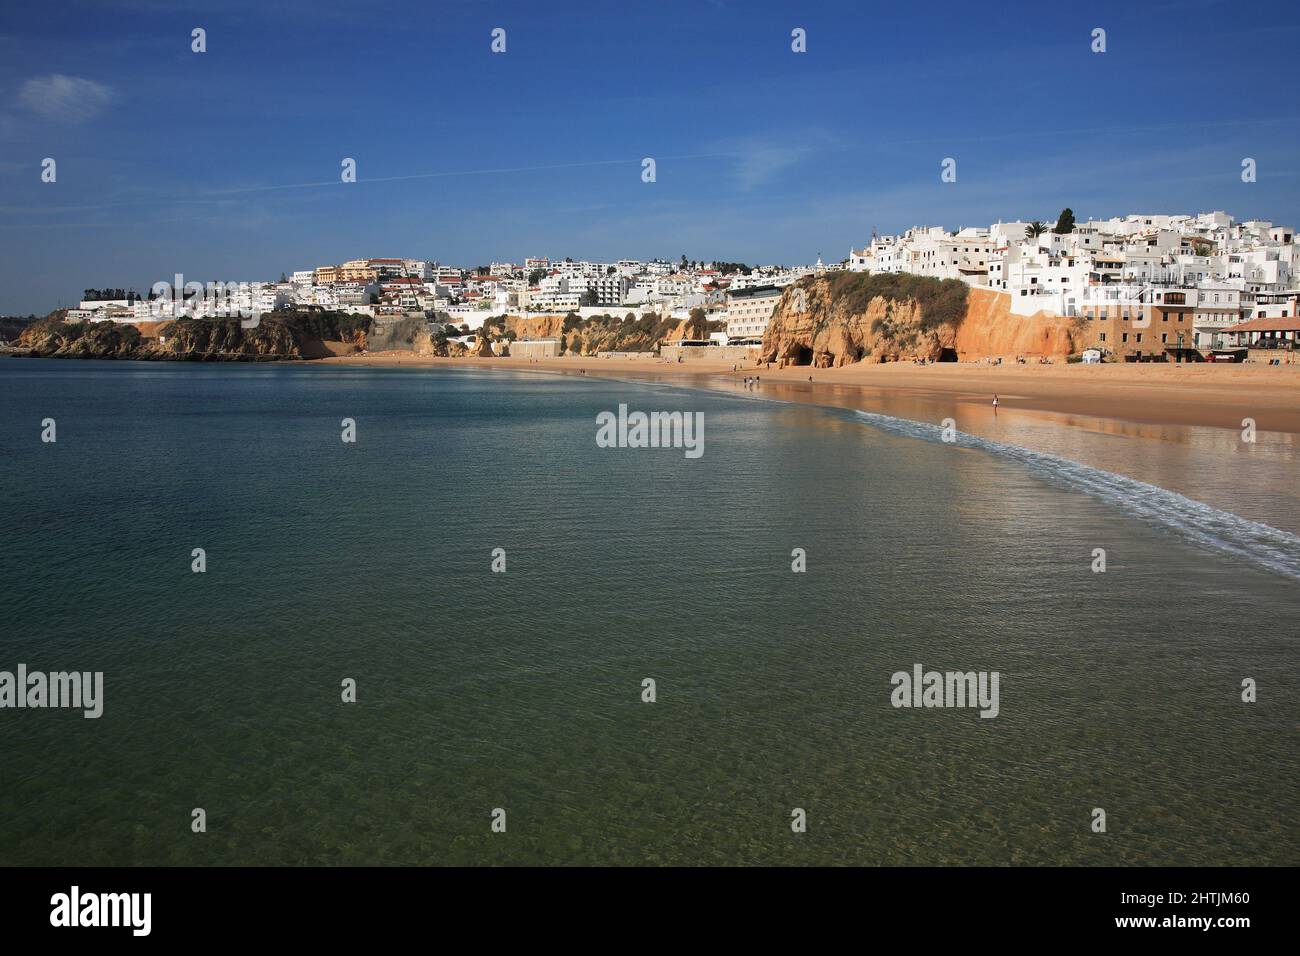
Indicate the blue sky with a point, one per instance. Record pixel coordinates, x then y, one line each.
225 165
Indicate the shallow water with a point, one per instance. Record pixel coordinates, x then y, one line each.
523 690
1255 479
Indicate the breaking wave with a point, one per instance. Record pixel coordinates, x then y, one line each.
1208 527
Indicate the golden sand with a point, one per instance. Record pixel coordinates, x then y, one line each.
1218 395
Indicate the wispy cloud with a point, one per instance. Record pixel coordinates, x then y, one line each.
758 162
759 167
71 99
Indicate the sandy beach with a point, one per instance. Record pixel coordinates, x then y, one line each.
1218 396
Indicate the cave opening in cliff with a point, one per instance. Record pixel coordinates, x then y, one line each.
802 356
947 355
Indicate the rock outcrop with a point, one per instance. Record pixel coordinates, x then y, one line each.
406 334
852 317
601 333
53 337
223 340
856 317
277 337
989 329
11 326
535 326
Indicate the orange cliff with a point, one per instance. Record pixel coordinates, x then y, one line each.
989 329
848 318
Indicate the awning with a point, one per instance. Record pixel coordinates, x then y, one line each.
1289 324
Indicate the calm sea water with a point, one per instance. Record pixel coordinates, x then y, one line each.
522 690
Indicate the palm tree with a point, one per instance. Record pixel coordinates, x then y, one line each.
1036 229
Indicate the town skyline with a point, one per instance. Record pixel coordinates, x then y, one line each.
527 268
217 163
1206 276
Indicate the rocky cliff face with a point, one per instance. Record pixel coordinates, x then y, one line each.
851 317
11 326
855 317
204 339
277 337
535 326
408 334
989 329
51 337
612 333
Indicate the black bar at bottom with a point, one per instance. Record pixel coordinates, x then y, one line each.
333 906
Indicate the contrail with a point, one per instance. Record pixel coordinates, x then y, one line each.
213 195
466 172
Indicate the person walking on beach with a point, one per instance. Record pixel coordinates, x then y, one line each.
995 404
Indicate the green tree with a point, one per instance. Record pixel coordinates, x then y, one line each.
1036 229
1065 223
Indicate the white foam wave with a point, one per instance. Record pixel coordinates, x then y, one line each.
1199 523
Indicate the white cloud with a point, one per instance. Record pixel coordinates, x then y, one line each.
61 97
759 165
760 160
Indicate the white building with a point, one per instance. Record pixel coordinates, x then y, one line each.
749 311
1110 262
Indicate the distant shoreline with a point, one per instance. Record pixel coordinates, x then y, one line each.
1175 428
1206 395
1217 396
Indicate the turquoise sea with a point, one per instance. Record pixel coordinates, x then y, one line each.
523 690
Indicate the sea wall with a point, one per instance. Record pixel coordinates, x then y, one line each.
709 353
